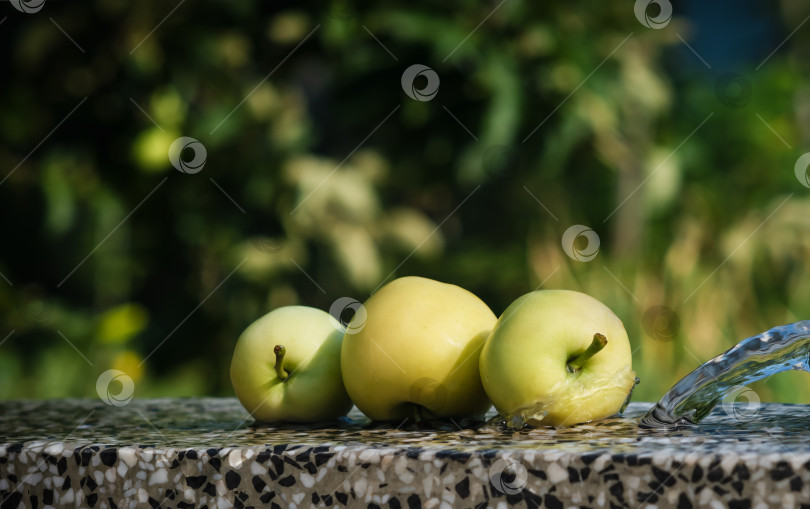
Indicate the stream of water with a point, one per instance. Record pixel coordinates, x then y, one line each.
779 349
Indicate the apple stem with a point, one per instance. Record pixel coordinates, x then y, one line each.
280 352
598 343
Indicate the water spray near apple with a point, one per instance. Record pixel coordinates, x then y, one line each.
557 357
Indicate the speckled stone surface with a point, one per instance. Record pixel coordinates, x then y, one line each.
207 453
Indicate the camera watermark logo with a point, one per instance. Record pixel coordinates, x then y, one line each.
34 306
570 237
184 144
800 168
341 11
508 476
268 245
656 22
429 393
661 323
733 90
123 396
430 89
28 6
741 411
353 323
499 160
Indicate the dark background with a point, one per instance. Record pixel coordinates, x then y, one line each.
325 180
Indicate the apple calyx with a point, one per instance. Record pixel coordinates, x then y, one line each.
280 352
598 343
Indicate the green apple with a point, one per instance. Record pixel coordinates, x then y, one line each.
286 367
416 355
557 357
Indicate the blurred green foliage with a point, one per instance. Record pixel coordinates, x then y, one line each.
323 179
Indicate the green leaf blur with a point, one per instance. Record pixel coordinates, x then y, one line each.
324 180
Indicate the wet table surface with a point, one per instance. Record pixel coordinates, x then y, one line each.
208 452
220 422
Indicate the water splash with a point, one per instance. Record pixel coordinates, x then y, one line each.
535 415
693 397
636 381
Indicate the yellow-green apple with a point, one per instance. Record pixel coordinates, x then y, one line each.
557 357
286 367
416 355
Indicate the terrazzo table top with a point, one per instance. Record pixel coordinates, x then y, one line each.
208 453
